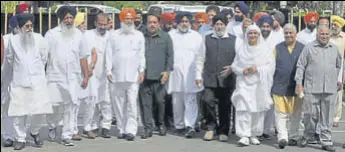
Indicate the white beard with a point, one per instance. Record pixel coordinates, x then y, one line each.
67 32
183 29
28 41
127 28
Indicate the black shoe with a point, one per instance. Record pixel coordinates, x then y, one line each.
317 138
190 133
18 145
96 132
37 139
344 146
179 131
162 130
146 134
233 130
7 143
113 121
121 136
328 148
292 142
106 133
302 142
264 137
282 143
130 137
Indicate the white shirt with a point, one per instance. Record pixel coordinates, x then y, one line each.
279 35
272 40
125 55
235 28
187 66
64 55
306 36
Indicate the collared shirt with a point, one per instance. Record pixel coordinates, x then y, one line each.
141 28
319 67
305 36
125 55
159 54
204 29
64 56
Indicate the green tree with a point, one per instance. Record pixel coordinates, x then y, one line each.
125 4
10 6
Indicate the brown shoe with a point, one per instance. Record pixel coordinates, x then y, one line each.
76 137
336 124
91 135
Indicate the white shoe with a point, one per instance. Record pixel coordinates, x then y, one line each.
254 141
244 141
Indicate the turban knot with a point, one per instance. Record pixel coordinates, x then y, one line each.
22 7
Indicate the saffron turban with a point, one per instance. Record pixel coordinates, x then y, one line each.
339 21
64 10
311 15
181 14
265 19
201 15
79 19
22 7
167 17
278 16
258 16
243 7
24 18
127 12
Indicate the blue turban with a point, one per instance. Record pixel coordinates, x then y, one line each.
64 10
23 18
243 7
180 15
13 22
265 19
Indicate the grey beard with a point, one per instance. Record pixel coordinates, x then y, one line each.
127 28
183 29
220 33
28 41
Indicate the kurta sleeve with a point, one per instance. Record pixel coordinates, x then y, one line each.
301 66
169 64
83 53
44 50
10 52
339 66
200 59
267 70
48 39
142 60
109 57
235 68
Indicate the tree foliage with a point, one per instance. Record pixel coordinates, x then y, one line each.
125 4
10 6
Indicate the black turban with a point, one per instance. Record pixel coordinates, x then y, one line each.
180 15
64 10
221 18
24 18
226 12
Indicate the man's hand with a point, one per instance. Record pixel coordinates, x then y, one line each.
252 69
299 89
245 72
85 82
340 85
110 78
226 71
141 77
165 76
198 82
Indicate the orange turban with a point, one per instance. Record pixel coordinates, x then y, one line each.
167 17
201 15
259 15
127 12
310 15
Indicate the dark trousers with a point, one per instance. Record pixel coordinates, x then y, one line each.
212 98
151 95
169 114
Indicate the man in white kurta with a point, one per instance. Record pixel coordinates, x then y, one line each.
125 65
309 33
266 23
65 63
96 95
241 12
278 22
254 66
185 79
29 96
6 78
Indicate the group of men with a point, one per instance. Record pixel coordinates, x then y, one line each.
209 64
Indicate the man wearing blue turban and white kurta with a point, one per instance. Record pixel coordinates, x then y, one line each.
185 81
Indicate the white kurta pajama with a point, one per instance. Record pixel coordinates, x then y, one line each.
125 59
251 97
188 65
306 36
96 95
6 78
64 76
29 94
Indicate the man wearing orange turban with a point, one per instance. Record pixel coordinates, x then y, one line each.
125 65
308 34
167 21
200 20
258 15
